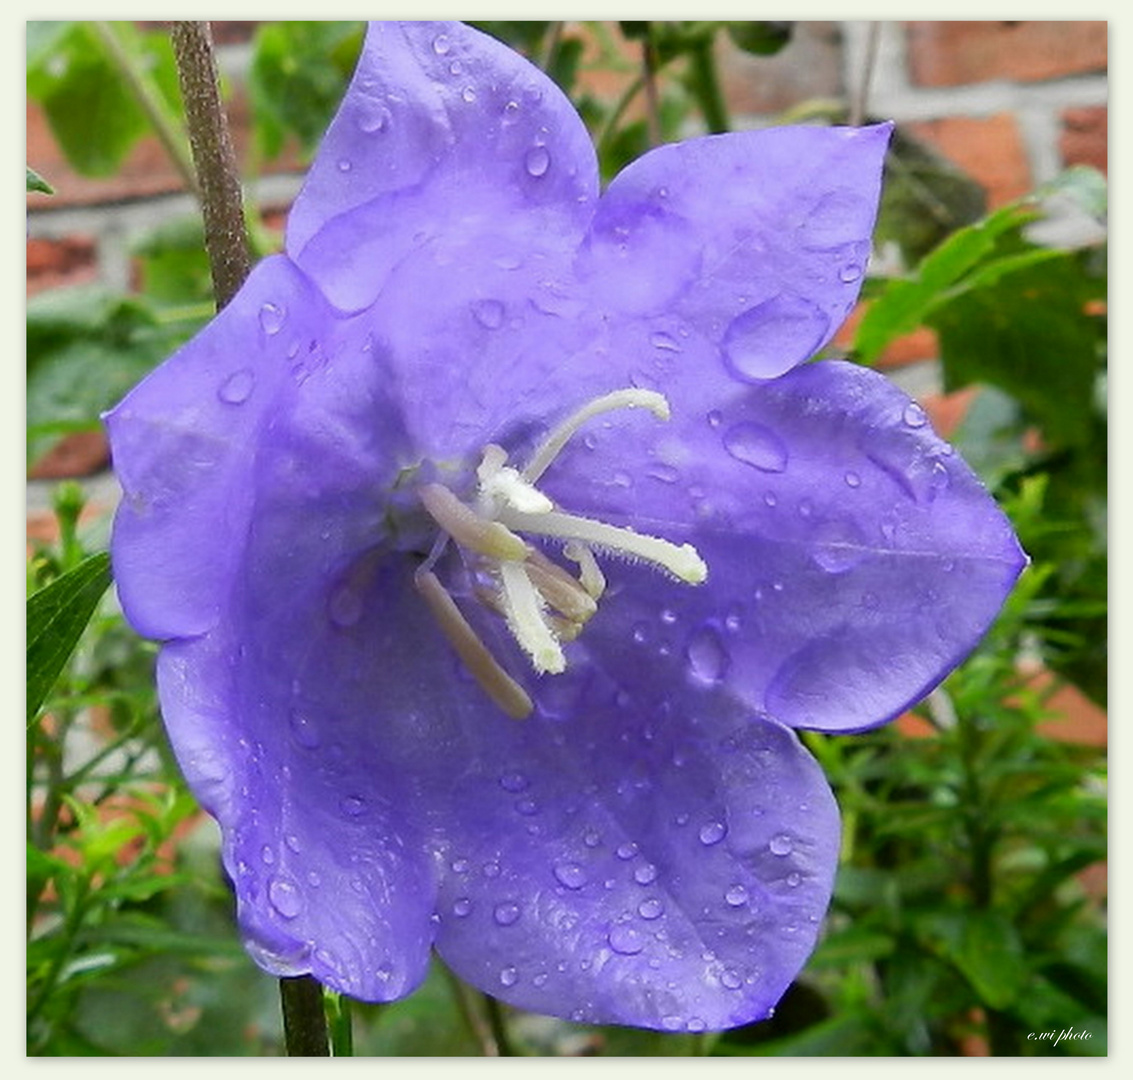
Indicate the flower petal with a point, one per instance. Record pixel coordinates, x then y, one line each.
854 559
183 442
624 859
758 240
442 129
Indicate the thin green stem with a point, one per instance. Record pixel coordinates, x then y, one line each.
706 86
499 1026
652 97
477 1026
304 1019
149 99
222 204
341 1023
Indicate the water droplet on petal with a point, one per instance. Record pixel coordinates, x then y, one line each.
651 908
570 875
506 914
850 273
625 939
591 838
730 979
514 782
758 446
508 976
373 118
627 850
272 318
914 416
461 906
344 607
645 874
352 805
781 845
695 1025
527 807
712 833
839 546
794 879
237 388
772 337
488 313
672 1023
468 94
708 659
441 45
735 896
537 161
285 898
853 479
661 340
345 165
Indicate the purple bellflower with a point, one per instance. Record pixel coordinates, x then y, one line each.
498 536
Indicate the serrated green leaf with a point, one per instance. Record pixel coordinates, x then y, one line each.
56 618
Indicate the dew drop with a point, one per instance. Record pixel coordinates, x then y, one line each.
267 855
853 479
735 896
313 878
770 498
237 388
345 165
441 45
527 807
373 119
651 908
272 318
627 850
758 446
625 939
661 340
672 1023
772 337
712 833
352 805
461 906
781 845
488 313
730 979
714 418
850 273
708 659
695 1025
285 898
537 161
794 879
468 95
914 416
645 874
506 914
344 607
570 875
508 976
591 838
514 782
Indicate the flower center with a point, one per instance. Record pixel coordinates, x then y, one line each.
543 604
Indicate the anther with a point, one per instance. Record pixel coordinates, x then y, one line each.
473 653
468 528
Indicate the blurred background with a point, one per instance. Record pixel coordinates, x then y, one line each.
970 912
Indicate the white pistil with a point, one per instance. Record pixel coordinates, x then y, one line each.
683 562
527 621
632 398
473 653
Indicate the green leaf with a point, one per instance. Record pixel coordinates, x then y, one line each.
984 947
298 75
89 105
37 183
56 618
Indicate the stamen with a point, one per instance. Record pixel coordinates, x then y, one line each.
527 621
590 575
684 562
559 589
630 398
468 529
504 486
473 653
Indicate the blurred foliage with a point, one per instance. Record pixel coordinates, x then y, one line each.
961 922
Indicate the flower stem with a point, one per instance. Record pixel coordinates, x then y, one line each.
304 1019
226 235
499 1028
706 87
